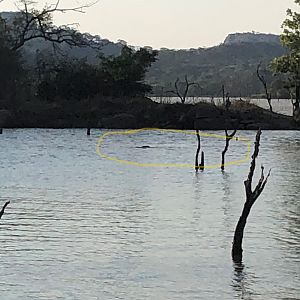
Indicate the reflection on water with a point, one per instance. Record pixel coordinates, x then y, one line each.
80 227
242 283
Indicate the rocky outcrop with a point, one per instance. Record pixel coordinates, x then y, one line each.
251 37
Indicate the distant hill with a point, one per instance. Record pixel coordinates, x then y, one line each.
232 63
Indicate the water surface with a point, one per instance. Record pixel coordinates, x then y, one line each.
82 227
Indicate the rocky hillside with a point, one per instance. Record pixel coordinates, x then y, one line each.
232 63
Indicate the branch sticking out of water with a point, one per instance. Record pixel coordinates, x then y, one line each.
198 151
251 197
229 137
3 208
197 166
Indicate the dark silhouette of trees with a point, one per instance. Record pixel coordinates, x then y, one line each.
290 64
70 80
31 23
251 197
114 76
125 73
11 71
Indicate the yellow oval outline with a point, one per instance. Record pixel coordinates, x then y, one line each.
134 131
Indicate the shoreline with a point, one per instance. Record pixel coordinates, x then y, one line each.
142 112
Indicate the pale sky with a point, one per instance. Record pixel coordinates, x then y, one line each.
174 23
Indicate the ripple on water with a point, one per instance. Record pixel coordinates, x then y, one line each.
80 227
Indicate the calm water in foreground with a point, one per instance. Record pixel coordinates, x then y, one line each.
83 227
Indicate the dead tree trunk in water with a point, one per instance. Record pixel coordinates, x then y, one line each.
198 151
251 196
229 137
3 208
263 81
202 161
197 166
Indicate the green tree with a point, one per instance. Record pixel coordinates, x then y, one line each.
125 73
27 24
11 70
70 80
10 73
290 64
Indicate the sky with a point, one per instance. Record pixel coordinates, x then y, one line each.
173 23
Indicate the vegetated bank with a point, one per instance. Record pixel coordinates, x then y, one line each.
141 112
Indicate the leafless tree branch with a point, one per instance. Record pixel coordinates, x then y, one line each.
178 93
34 24
264 82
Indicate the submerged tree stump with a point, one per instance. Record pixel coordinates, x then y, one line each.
251 197
3 208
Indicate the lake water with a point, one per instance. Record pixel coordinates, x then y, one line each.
83 227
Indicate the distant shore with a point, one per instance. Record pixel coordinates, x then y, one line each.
142 112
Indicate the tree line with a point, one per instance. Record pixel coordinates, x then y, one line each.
58 77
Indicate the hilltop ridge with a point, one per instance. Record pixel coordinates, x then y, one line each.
251 37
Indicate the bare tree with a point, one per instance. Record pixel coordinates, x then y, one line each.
251 197
264 82
182 95
3 208
31 24
223 94
229 137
